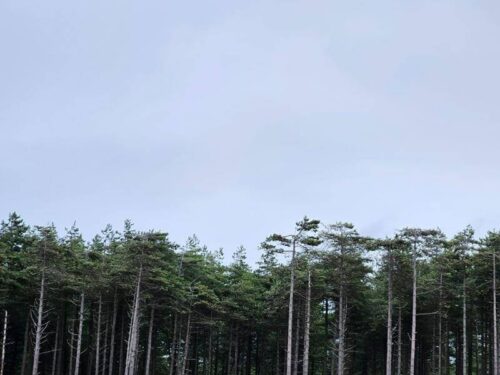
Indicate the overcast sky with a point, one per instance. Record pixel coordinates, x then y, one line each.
234 119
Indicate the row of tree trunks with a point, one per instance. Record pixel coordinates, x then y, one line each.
470 352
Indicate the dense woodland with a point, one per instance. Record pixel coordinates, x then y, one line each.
322 300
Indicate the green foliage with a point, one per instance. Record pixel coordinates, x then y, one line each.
240 311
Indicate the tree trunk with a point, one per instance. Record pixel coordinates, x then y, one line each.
464 325
297 341
80 334
307 325
342 329
326 327
236 350
413 311
210 350
39 327
130 359
388 360
400 340
230 350
150 341
495 331
55 350
446 348
440 325
178 367
105 346
61 349
98 336
4 341
122 341
72 344
248 367
278 354
173 349
257 352
25 345
186 345
216 355
290 314
433 346
113 332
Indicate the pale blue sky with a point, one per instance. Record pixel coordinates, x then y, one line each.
233 119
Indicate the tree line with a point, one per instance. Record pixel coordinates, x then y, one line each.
322 300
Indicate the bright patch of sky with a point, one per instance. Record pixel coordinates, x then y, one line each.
234 119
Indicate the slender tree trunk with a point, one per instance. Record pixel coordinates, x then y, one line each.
413 312
173 349
55 350
307 325
186 345
230 350
61 348
210 350
257 352
248 366
130 360
179 351
26 343
80 334
216 355
150 341
122 341
400 340
236 350
388 360
446 348
4 340
342 317
464 323
433 350
105 346
440 325
98 336
342 322
325 362
278 353
72 344
192 367
495 331
297 341
290 314
113 332
39 327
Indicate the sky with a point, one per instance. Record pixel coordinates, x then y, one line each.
232 120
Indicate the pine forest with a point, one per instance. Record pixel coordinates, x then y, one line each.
323 299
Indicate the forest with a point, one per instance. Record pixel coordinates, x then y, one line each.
323 299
